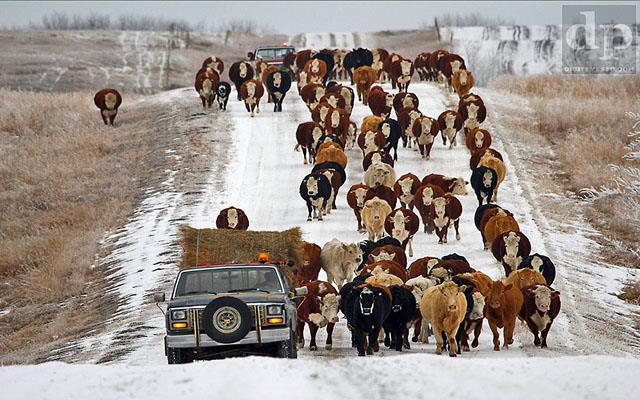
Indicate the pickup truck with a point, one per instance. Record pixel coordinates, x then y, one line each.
229 309
272 55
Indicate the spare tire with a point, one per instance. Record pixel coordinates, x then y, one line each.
226 319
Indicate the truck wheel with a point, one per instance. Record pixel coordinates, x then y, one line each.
226 319
288 348
177 356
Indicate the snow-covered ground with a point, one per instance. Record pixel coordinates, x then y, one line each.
261 174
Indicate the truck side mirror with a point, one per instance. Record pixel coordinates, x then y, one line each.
301 291
250 55
159 297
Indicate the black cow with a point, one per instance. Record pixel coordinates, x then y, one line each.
328 59
403 309
483 182
392 133
346 301
370 307
222 94
542 264
331 165
315 189
332 138
278 84
477 217
357 58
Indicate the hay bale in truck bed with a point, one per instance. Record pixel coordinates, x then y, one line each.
219 246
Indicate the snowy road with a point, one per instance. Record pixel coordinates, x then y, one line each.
262 177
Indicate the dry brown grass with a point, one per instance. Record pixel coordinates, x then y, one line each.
631 293
65 180
582 118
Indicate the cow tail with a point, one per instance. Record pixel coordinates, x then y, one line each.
296 147
411 247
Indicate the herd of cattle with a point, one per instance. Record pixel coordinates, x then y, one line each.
375 288
371 282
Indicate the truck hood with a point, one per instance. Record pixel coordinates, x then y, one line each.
247 297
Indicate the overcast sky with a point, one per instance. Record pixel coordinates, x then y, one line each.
295 17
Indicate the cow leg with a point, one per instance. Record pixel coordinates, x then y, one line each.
388 339
314 330
476 333
438 334
329 344
360 339
534 329
410 247
300 334
496 335
456 225
545 332
417 326
373 342
509 327
405 337
462 337
453 344
304 154
309 208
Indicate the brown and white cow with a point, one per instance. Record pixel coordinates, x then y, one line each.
311 264
232 218
215 63
540 307
498 225
402 100
421 66
510 248
385 267
251 92
471 112
406 118
402 224
377 156
385 193
316 70
380 103
380 174
502 307
449 64
356 199
478 139
462 82
371 141
406 188
448 128
374 214
477 155
444 307
425 129
403 71
318 309
239 73
340 261
388 252
308 135
364 77
320 112
311 94
347 93
422 266
336 181
379 55
206 84
108 101
337 123
422 200
455 186
387 66
336 100
445 211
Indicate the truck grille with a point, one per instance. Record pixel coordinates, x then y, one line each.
195 316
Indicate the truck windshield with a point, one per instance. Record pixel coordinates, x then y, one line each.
267 54
224 280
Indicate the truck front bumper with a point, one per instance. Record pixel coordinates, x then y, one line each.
267 336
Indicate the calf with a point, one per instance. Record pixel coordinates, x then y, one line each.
340 261
392 132
403 310
423 198
444 212
444 307
425 130
370 141
370 305
364 77
380 174
484 181
355 199
406 188
252 91
239 73
510 248
402 224
278 84
448 127
478 139
315 190
542 264
450 185
374 214
311 264
541 306
232 218
388 252
108 101
501 310
222 94
318 308
308 134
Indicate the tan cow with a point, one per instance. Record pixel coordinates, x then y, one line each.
497 165
374 213
498 225
332 154
523 278
444 306
364 77
462 82
380 174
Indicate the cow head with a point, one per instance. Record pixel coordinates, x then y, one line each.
407 101
449 291
496 294
324 110
426 123
335 119
381 174
399 222
537 263
232 218
360 194
353 254
459 187
427 196
528 277
315 66
385 128
319 92
450 120
405 66
312 186
511 243
440 206
329 305
316 134
333 101
487 179
110 99
419 285
389 100
462 77
251 89
439 275
222 91
366 300
478 305
376 208
406 185
376 157
472 111
302 78
329 174
479 139
383 256
277 79
346 93
243 70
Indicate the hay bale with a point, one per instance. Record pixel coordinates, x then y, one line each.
220 246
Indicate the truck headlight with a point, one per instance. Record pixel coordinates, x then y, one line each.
274 310
178 315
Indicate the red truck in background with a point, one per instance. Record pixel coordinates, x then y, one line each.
272 55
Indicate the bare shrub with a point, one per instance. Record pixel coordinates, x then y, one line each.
125 22
469 19
631 293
